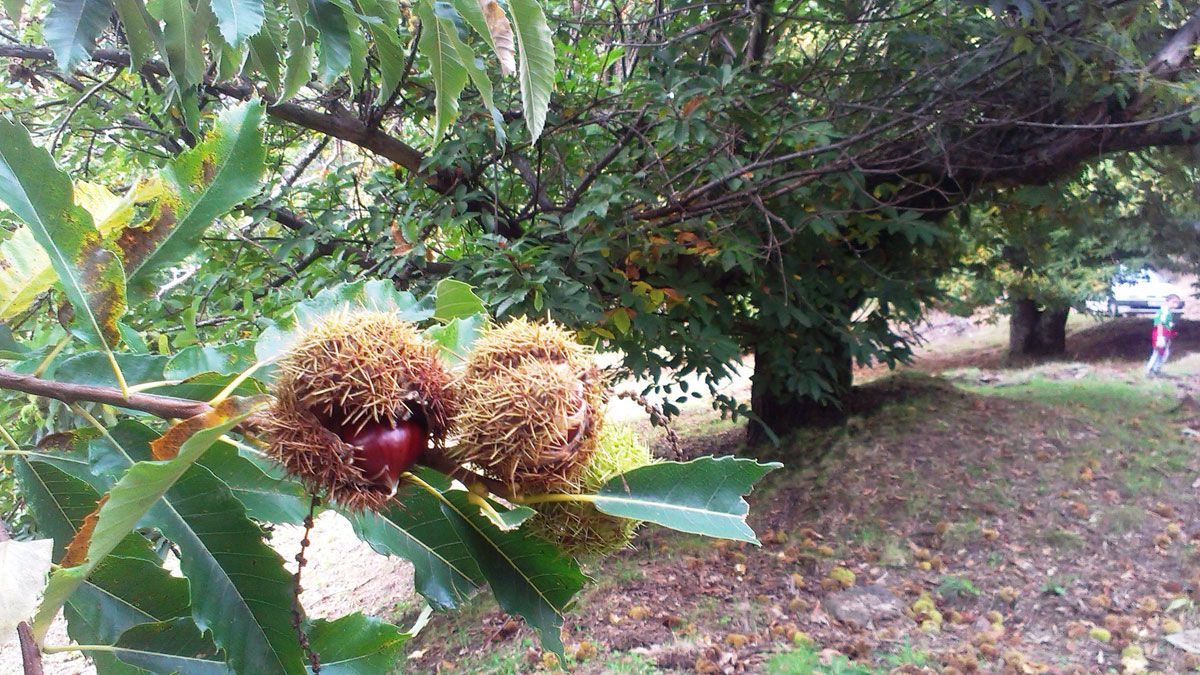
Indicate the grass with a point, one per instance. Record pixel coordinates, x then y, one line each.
629 664
957 587
1063 540
908 655
1123 519
806 660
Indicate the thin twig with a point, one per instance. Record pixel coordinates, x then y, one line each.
298 609
62 126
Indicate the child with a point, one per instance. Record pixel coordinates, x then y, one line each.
1164 332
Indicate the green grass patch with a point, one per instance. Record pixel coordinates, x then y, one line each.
1063 539
806 660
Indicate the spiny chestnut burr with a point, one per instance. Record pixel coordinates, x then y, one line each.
580 529
359 399
531 401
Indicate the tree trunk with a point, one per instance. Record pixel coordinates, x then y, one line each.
777 405
1037 332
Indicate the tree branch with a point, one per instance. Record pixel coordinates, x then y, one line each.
171 407
168 407
342 126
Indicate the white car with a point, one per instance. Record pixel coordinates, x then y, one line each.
1135 292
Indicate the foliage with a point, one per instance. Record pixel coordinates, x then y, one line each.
707 182
1060 244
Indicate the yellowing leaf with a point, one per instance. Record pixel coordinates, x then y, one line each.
25 270
502 35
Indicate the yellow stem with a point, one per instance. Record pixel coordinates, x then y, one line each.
62 344
96 423
553 497
488 510
427 487
55 649
229 388
151 385
8 438
116 368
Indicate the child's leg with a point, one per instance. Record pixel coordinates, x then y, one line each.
1155 361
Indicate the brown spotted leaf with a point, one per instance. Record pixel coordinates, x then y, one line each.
42 196
77 550
201 185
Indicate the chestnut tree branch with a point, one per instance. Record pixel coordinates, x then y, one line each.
171 407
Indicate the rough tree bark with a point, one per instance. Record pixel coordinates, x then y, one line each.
1036 331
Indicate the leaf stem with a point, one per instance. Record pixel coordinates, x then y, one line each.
554 497
8 438
151 385
116 368
242 377
414 478
58 347
488 510
31 453
56 649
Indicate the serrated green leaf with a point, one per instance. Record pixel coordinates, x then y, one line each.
456 337
204 386
456 300
238 19
227 359
412 526
392 56
265 57
230 59
203 183
240 589
175 646
298 64
479 78
528 577
42 196
10 349
535 62
127 588
72 27
512 518
59 501
265 498
132 496
92 368
333 41
449 76
357 645
141 30
183 29
703 496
